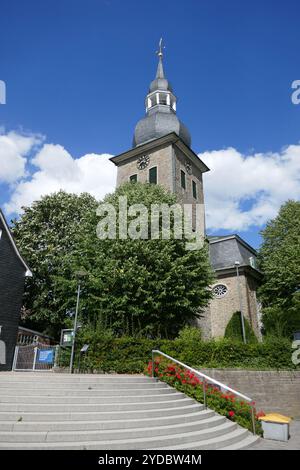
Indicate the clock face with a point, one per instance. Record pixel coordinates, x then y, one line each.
188 167
143 162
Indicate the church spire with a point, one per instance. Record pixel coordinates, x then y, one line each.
160 69
160 104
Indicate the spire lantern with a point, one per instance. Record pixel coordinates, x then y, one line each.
160 91
160 106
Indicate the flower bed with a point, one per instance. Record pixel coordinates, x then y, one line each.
226 404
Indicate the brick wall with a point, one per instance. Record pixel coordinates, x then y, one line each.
277 391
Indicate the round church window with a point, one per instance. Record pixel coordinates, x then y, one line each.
220 290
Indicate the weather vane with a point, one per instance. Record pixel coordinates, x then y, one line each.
161 48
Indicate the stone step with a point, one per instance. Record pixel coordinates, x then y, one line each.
83 400
104 424
46 375
103 412
217 442
244 444
204 425
102 415
109 406
158 441
80 386
91 392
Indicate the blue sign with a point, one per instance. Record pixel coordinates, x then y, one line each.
46 356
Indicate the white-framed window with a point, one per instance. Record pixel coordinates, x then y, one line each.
220 290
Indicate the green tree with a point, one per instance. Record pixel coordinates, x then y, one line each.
279 259
46 235
139 287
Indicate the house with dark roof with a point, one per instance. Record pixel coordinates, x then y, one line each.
13 270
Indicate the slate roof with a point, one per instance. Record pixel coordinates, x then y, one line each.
4 225
225 250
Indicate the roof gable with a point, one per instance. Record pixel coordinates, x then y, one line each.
4 226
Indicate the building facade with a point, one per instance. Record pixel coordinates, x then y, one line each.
162 154
234 289
13 271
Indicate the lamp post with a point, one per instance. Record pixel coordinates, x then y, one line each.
79 275
240 300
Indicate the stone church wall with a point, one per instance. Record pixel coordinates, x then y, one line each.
220 310
161 158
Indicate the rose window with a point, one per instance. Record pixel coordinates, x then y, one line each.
220 290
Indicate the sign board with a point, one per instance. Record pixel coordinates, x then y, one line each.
66 337
45 356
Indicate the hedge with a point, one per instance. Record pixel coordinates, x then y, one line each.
129 355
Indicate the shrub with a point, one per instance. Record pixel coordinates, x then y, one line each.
190 334
234 329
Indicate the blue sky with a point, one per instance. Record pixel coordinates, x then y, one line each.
77 73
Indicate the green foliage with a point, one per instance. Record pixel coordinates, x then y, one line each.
281 320
189 334
279 260
234 329
46 235
138 287
134 287
129 355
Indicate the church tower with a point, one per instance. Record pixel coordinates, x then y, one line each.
161 152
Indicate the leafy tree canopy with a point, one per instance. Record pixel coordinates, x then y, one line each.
46 235
137 287
279 259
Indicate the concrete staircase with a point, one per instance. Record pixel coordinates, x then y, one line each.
58 411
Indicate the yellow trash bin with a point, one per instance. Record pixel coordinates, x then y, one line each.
276 426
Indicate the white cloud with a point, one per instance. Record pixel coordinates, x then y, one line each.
14 148
240 190
247 190
57 169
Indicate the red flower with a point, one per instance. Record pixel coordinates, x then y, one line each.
231 414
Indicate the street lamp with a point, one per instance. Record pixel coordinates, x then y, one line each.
79 276
237 263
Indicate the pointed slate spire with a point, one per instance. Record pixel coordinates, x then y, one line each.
160 69
160 104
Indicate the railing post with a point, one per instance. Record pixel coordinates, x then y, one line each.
152 363
253 420
56 356
204 393
34 359
15 358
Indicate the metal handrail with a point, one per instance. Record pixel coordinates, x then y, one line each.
206 379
